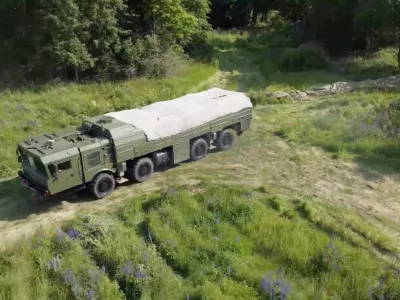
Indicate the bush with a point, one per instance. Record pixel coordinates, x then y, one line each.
148 57
201 48
263 98
379 64
304 57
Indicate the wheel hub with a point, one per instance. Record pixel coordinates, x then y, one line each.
144 170
103 186
200 150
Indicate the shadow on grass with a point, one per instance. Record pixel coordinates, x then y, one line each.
17 203
375 168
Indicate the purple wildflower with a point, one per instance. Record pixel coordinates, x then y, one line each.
171 191
73 234
237 239
380 284
284 290
127 268
264 284
273 286
54 264
68 277
60 235
91 295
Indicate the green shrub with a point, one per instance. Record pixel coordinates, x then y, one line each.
149 57
275 203
201 48
263 98
379 64
288 214
304 57
305 210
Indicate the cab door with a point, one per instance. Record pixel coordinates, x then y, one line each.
65 174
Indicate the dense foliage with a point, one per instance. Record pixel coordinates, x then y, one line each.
126 38
80 38
340 25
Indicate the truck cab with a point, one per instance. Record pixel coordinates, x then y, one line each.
49 166
54 163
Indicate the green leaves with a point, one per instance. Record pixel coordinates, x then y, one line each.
74 37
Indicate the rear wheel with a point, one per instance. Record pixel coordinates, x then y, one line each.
199 149
225 140
142 170
102 185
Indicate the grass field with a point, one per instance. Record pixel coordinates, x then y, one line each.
304 207
203 242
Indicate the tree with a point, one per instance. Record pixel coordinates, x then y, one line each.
380 18
230 13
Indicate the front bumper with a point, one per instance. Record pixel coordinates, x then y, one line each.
29 184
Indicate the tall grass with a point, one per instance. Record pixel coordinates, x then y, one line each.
25 113
224 242
364 125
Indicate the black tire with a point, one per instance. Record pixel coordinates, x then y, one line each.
225 140
199 150
102 185
142 170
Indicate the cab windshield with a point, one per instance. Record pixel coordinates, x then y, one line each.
34 164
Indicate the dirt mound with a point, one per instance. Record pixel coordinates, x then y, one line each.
338 88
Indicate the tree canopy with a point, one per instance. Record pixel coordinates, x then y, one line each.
74 38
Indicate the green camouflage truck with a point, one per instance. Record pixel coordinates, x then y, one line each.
128 146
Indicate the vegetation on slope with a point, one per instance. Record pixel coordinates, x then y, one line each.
362 125
202 242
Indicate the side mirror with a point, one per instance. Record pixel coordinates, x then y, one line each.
53 171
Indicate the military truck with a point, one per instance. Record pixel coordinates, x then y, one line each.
129 145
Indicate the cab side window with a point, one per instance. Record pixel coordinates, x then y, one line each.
64 166
93 159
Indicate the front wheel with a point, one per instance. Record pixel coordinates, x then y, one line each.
102 185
